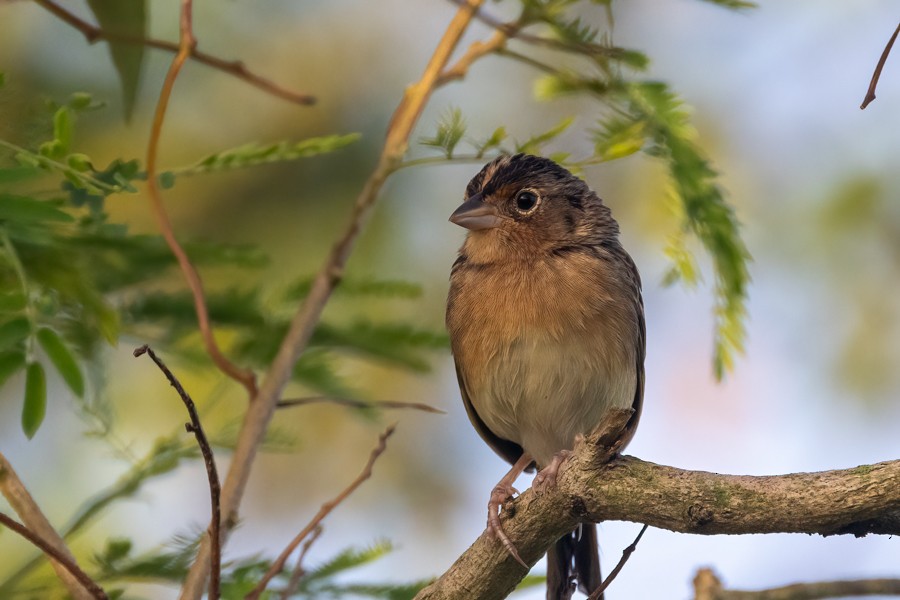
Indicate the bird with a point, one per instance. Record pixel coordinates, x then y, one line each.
546 324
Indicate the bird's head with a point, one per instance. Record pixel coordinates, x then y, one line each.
527 205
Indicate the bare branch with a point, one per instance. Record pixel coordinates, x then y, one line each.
626 554
298 572
324 511
291 402
708 587
93 34
187 45
37 525
260 411
852 501
211 473
870 93
83 578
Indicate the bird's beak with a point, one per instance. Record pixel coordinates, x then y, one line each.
476 214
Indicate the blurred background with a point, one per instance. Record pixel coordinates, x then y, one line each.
775 93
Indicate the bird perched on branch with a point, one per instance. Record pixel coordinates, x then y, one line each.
546 324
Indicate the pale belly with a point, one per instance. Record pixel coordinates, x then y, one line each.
541 392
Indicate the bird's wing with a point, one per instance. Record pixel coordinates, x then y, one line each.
509 451
640 353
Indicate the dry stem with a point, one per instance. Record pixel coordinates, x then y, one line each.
187 45
324 511
211 473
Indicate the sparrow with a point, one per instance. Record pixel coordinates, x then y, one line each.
546 325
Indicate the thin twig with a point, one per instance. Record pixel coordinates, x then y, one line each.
324 511
34 519
93 34
59 557
475 51
870 93
260 412
298 572
212 474
186 46
513 29
626 554
291 402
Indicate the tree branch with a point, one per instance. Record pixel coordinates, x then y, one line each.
93 34
36 524
212 474
855 501
187 44
364 404
708 587
870 93
324 511
58 558
259 413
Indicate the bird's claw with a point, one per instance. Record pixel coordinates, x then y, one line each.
500 494
546 477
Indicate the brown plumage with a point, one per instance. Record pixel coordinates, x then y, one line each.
547 328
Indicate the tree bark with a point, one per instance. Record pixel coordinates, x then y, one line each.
591 487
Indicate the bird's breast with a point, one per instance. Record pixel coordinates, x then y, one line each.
542 352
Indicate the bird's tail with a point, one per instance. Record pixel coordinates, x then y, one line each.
574 559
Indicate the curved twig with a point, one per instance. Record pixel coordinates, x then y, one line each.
187 45
324 511
212 474
870 93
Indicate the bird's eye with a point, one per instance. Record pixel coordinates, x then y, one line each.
526 200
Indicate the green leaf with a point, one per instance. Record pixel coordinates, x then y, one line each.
619 137
14 331
492 142
733 4
533 144
125 18
16 174
10 364
22 209
62 359
80 101
63 128
255 154
80 162
349 559
12 301
450 130
35 406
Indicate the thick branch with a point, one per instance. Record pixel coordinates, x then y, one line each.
852 501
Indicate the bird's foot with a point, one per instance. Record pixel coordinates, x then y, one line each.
546 477
502 492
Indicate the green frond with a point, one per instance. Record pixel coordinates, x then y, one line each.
450 130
